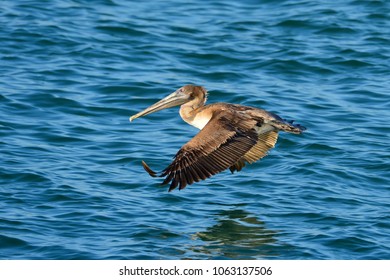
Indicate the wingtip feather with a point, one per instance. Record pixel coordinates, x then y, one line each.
149 170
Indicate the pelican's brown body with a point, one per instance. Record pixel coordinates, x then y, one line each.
230 136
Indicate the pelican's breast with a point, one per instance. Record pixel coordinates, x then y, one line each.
200 120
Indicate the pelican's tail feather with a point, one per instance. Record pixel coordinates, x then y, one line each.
288 126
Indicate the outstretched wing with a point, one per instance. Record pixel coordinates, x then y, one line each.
266 141
226 138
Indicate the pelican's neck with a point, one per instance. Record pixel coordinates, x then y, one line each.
187 113
197 117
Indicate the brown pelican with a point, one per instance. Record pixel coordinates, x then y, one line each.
230 136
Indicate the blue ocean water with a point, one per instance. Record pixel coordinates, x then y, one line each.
71 181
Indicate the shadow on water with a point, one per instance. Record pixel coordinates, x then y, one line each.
236 235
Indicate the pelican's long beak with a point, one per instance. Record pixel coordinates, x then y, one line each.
174 99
